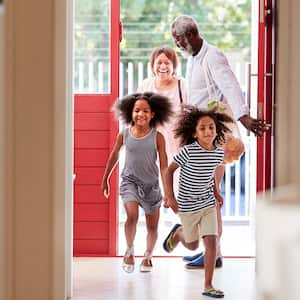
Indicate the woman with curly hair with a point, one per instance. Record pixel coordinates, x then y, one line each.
201 133
142 112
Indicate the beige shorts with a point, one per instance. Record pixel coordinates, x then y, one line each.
199 224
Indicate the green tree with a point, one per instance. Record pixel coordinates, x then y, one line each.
146 24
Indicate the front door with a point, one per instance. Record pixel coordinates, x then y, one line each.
96 85
265 105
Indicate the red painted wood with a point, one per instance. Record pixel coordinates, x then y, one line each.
91 230
91 212
88 194
91 139
95 130
91 121
265 55
90 157
91 103
115 57
91 247
89 175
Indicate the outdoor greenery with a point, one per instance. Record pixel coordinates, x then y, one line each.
146 24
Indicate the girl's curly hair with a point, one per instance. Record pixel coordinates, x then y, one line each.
188 120
160 105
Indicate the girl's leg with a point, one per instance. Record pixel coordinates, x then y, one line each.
152 225
132 212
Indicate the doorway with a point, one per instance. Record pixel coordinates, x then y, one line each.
239 41
91 81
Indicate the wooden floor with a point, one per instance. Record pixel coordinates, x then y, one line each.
104 279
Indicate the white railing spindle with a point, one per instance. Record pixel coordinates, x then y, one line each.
237 191
81 77
227 189
140 73
100 77
121 82
91 77
130 78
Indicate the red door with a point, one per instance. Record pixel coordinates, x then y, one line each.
95 129
265 149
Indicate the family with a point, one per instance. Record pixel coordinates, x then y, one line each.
184 124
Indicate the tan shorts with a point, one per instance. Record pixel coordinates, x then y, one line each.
199 224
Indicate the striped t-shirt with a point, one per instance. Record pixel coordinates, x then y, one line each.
196 179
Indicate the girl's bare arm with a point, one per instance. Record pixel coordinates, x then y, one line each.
163 159
110 165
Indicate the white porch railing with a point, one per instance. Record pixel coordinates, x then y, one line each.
93 78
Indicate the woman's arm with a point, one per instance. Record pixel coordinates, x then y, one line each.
111 163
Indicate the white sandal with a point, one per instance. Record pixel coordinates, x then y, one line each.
128 260
146 264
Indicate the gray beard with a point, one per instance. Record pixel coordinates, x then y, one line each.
185 54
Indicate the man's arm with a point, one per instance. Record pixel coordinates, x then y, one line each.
228 84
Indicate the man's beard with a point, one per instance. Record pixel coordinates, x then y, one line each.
185 54
187 51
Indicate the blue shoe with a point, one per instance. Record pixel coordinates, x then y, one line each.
193 257
198 263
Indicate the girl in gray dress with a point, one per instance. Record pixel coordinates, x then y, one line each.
140 175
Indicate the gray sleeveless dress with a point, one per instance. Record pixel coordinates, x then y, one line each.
140 173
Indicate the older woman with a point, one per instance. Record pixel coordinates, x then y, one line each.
164 62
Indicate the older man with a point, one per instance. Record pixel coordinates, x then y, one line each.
204 58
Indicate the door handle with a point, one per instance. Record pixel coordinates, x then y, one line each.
120 31
260 116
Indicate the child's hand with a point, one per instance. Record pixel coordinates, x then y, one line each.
166 202
219 198
173 204
105 189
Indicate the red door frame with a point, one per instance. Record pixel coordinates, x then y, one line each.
95 130
265 157
114 127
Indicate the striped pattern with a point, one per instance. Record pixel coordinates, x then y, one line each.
196 179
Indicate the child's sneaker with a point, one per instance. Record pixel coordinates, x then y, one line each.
128 261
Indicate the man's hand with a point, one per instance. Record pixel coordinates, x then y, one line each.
256 126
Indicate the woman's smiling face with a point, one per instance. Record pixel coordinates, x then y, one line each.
163 67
